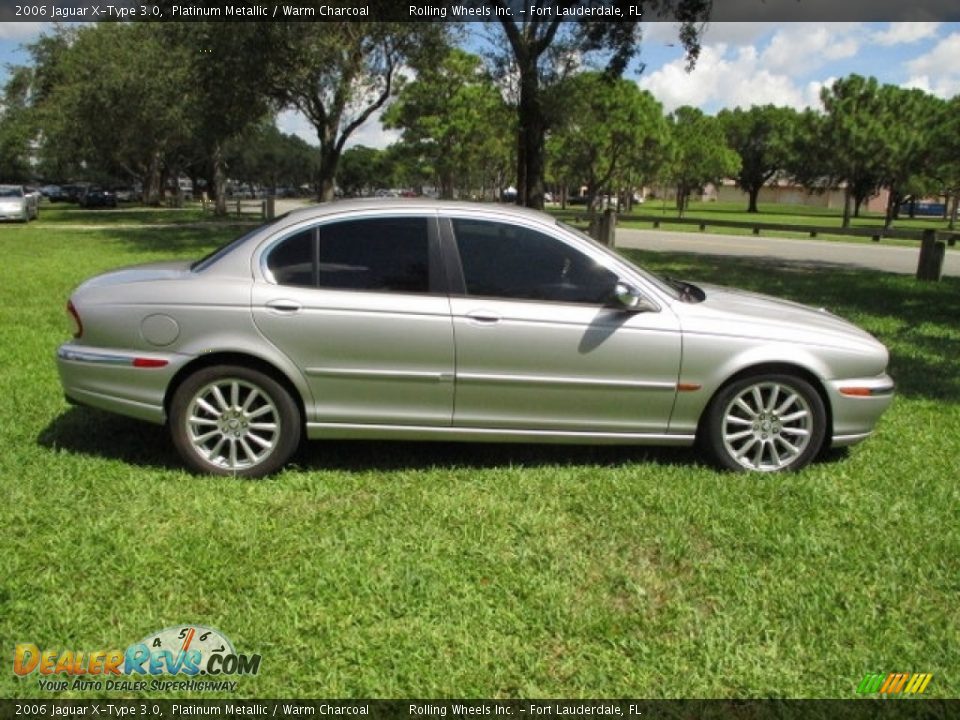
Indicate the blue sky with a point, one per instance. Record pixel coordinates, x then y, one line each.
740 64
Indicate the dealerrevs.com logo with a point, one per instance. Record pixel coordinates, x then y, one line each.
193 651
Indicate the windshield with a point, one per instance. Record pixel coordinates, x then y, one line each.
11 191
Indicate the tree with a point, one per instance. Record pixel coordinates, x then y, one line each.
907 131
111 99
698 153
455 119
543 47
608 125
339 74
264 156
945 157
763 137
15 128
228 89
364 169
852 130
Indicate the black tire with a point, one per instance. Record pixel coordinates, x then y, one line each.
228 435
780 434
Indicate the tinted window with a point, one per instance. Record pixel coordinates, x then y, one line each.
510 261
381 255
292 261
384 254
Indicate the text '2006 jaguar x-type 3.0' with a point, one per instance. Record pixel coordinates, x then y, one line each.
429 320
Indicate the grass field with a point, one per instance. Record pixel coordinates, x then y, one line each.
424 570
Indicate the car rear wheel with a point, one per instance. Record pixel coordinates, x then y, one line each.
232 420
765 423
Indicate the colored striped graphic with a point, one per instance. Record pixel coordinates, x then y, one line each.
895 683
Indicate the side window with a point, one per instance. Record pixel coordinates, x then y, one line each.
376 254
381 254
291 262
510 261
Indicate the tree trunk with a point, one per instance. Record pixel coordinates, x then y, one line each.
530 148
446 185
327 175
953 213
219 182
893 200
151 186
846 207
754 193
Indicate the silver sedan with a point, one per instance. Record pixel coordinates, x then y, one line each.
446 321
18 203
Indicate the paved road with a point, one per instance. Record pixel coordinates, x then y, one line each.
818 252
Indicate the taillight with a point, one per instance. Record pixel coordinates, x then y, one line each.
76 324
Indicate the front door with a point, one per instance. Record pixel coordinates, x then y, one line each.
540 347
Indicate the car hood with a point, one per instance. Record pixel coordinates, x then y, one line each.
170 270
733 311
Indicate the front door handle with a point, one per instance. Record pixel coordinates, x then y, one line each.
483 317
286 307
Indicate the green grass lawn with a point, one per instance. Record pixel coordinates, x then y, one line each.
422 570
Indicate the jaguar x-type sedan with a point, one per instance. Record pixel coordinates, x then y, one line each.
431 320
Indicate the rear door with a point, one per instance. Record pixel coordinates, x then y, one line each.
360 306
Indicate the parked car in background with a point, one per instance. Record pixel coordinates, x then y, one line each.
97 196
421 320
72 192
53 193
127 194
18 203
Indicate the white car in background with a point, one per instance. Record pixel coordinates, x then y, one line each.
16 203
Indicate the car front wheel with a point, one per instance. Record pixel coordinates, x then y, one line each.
232 420
765 423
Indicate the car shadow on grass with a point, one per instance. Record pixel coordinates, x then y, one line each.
84 431
367 455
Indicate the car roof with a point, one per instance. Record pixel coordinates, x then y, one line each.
428 204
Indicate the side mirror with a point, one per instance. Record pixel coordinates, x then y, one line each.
629 298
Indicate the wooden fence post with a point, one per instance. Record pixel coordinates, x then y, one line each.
608 228
932 251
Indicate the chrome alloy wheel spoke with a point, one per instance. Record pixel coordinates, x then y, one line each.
235 434
767 426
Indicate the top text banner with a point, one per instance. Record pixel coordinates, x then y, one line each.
517 11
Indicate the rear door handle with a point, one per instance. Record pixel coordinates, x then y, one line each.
483 317
286 307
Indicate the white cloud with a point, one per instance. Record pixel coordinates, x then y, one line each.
723 77
780 68
293 122
802 47
899 33
22 31
736 33
371 133
938 71
944 58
